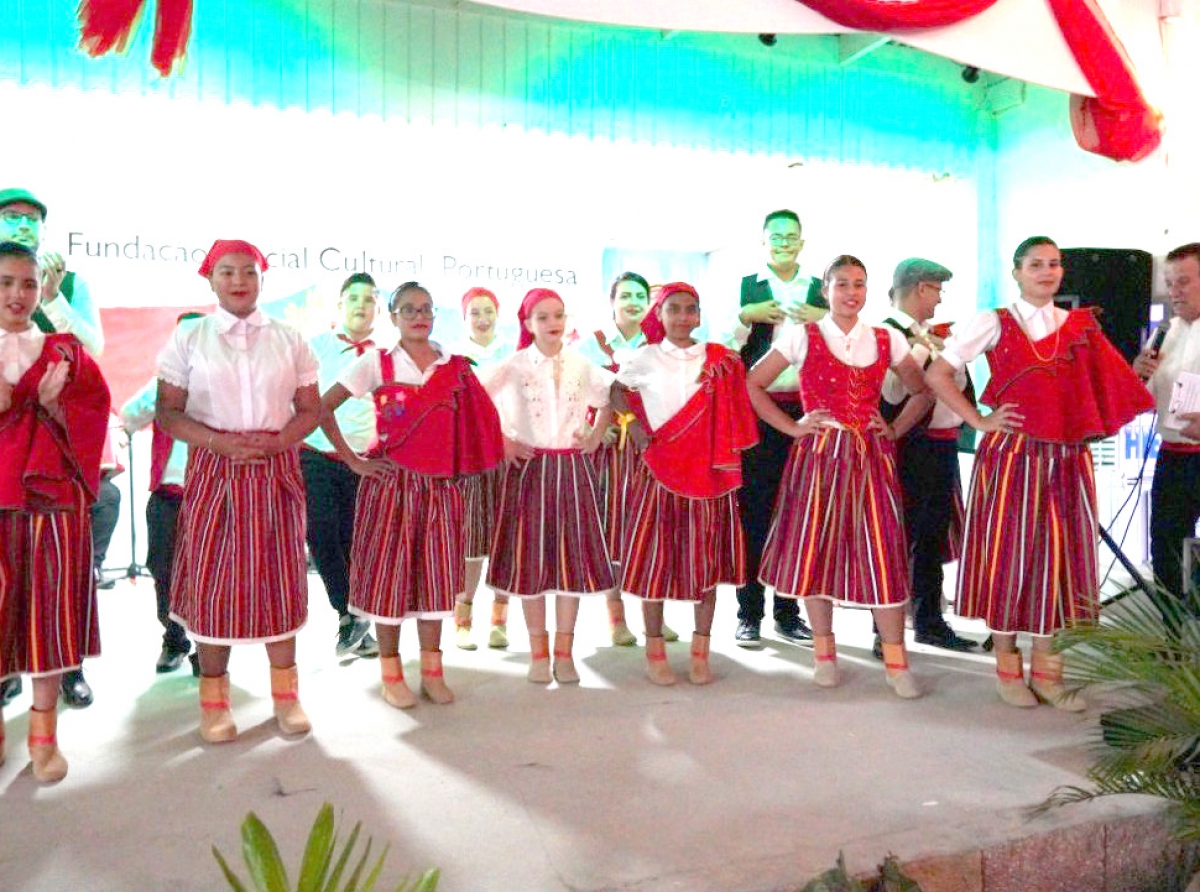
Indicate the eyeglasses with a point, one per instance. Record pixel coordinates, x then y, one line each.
780 240
408 311
33 218
940 289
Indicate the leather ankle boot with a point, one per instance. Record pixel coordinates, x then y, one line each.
285 691
396 691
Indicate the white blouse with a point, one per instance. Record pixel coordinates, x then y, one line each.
543 401
983 332
240 374
894 390
1180 352
355 417
366 375
482 356
665 377
855 348
19 350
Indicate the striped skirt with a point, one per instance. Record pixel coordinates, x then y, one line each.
680 549
48 618
1029 557
548 533
239 574
838 527
617 473
481 500
409 535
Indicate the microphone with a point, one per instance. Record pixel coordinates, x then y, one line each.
1156 340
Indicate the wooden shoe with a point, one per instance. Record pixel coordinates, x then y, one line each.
825 674
1010 680
49 766
285 691
621 636
564 663
462 627
658 670
539 658
395 690
1046 683
216 721
895 664
433 684
699 673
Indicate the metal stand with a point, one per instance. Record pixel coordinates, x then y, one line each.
135 569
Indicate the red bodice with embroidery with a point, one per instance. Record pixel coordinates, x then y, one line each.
1071 386
850 394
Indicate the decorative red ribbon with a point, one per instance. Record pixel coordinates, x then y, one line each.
105 25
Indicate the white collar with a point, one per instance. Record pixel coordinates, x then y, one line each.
905 320
31 334
830 328
690 352
537 357
1026 310
442 356
769 275
226 321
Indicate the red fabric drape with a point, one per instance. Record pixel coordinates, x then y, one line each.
1118 123
105 25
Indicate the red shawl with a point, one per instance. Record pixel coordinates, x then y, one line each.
445 427
698 451
41 460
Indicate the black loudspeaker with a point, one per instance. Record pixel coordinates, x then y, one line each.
1116 280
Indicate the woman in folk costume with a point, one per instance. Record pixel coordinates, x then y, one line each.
837 533
240 389
617 459
54 408
1029 559
683 536
548 536
480 308
435 424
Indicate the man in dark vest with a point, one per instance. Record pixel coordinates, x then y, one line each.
927 455
779 294
66 306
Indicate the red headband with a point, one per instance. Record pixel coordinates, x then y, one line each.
478 292
223 246
532 299
652 326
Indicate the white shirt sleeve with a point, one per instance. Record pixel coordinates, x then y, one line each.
80 317
899 345
173 365
978 336
791 342
597 386
139 411
364 376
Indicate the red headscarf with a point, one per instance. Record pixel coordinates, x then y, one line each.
532 299
652 326
478 292
223 246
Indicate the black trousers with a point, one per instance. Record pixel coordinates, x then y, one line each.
1174 510
928 477
332 493
106 511
162 515
762 470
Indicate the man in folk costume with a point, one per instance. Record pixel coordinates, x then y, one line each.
927 455
54 408
66 306
684 534
771 299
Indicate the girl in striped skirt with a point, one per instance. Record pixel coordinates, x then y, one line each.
435 424
484 348
1029 558
684 537
53 422
241 390
837 533
548 535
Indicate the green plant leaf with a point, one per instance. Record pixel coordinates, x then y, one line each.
230 876
352 883
318 852
429 881
336 876
373 876
262 856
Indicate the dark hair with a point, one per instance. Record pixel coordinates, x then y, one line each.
1028 245
837 263
627 277
394 301
1191 249
784 214
12 249
357 279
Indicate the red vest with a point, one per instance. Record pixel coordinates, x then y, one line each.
851 394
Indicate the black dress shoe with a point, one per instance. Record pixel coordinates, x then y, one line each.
76 692
194 659
946 639
10 690
794 629
169 660
747 634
